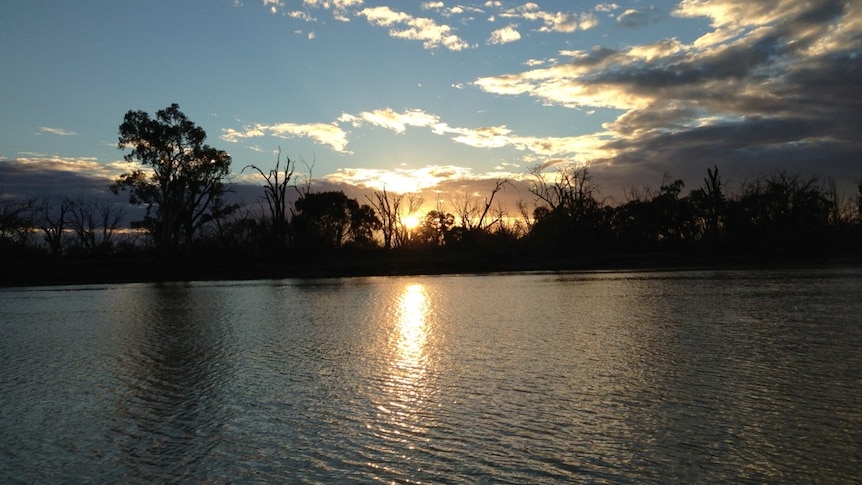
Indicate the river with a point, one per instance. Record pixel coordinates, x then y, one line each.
738 376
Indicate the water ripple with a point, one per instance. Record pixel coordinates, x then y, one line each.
601 378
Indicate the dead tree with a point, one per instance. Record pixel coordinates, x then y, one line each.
474 214
388 206
276 182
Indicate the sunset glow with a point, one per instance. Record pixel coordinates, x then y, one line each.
411 222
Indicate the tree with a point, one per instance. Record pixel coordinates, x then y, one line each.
328 220
709 204
363 223
781 212
435 227
388 206
17 220
672 215
52 222
275 192
184 177
94 223
571 214
475 215
392 209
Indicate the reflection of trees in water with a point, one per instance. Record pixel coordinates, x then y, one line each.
173 377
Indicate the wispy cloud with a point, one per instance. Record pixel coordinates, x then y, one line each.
606 7
636 18
450 11
388 118
57 131
341 9
405 26
565 22
323 133
486 137
436 32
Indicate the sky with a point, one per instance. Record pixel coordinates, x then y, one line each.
438 97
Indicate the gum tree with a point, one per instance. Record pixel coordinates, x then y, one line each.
183 178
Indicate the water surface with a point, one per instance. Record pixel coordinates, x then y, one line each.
685 377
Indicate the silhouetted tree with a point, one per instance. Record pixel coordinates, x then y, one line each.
571 215
473 214
434 228
17 220
633 222
363 224
388 207
780 212
672 214
247 233
51 219
184 176
328 220
217 221
412 204
276 182
709 204
94 223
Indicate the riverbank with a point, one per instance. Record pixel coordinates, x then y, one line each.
139 269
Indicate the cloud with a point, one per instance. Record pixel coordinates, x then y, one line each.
731 19
564 22
448 11
487 137
771 82
635 18
274 5
505 35
323 133
300 15
333 4
57 131
570 148
339 8
400 180
405 26
442 187
387 118
58 176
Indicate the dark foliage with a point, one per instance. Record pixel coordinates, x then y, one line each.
184 179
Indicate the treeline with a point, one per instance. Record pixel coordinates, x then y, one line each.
776 214
180 185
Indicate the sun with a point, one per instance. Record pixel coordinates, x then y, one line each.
410 222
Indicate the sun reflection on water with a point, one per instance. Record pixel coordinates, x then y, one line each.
411 327
405 385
